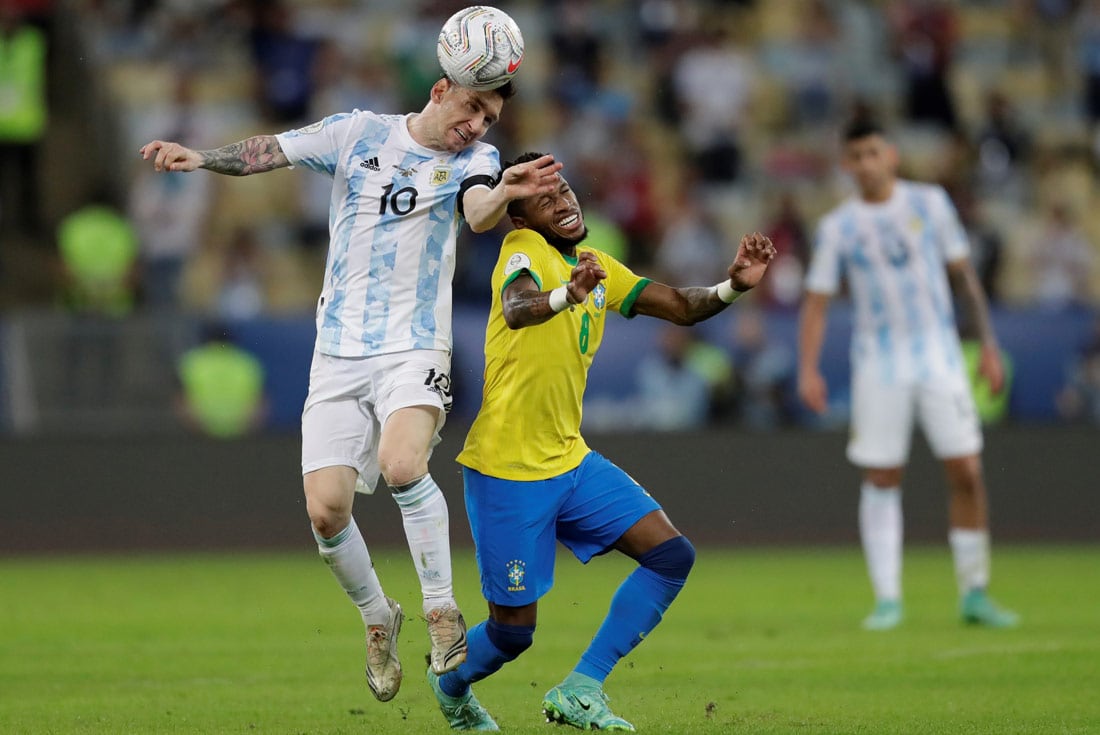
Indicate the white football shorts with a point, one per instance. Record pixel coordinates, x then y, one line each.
350 399
883 415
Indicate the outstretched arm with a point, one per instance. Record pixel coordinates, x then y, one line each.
811 336
969 288
484 207
250 156
686 306
525 305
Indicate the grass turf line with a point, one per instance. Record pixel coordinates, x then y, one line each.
761 641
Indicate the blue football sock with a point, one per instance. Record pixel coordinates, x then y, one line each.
490 646
637 606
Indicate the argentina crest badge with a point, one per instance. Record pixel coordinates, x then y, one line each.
440 175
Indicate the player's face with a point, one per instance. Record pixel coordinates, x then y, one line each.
872 162
465 115
556 216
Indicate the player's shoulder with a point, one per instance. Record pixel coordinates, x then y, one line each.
482 147
921 189
524 238
327 120
522 249
605 258
479 151
842 213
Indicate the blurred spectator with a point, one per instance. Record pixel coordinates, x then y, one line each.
1061 260
284 64
1086 28
623 189
222 387
661 21
811 66
992 407
787 230
956 165
863 49
712 83
681 384
169 212
1079 400
693 247
604 234
240 290
98 253
1003 144
98 250
1040 29
925 33
181 114
765 371
986 245
23 118
576 50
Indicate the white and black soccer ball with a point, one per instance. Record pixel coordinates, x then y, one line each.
480 47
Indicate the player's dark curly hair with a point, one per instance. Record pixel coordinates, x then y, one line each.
862 127
515 207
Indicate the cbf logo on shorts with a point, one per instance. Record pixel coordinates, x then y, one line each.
517 572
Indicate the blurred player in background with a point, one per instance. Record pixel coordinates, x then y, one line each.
530 478
379 385
895 242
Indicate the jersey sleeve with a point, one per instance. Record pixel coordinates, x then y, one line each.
520 253
484 170
623 285
951 235
823 275
317 146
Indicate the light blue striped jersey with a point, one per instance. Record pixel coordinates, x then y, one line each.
893 255
393 221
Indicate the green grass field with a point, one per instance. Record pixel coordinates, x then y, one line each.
760 641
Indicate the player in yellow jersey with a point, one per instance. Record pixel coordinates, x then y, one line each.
530 478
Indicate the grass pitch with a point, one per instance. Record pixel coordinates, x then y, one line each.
760 641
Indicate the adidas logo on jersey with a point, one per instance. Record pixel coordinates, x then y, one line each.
371 163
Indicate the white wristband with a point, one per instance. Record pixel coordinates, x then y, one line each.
559 299
726 293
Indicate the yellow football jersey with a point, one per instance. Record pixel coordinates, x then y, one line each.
529 425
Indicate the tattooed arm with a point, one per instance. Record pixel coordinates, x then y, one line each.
525 305
689 305
250 156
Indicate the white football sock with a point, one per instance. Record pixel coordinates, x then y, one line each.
880 529
427 529
347 556
970 548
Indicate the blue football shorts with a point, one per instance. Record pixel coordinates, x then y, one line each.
515 523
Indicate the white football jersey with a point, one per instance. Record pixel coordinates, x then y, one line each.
393 221
893 255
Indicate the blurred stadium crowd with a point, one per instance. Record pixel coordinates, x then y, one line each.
683 123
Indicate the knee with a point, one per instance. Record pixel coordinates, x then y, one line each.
327 518
402 468
885 478
965 474
511 640
672 559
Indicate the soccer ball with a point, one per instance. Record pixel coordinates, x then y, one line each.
480 47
